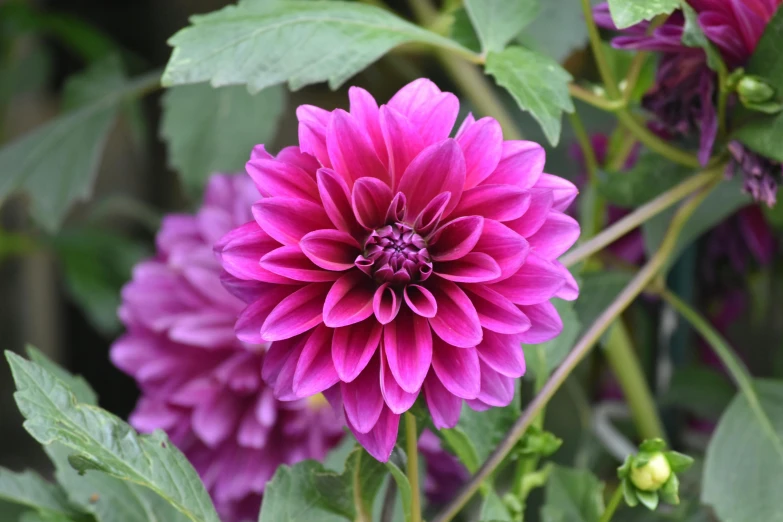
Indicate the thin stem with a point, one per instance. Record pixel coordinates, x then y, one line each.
723 98
640 215
580 350
638 61
580 93
361 512
618 160
412 469
614 503
387 510
598 53
628 372
655 143
591 163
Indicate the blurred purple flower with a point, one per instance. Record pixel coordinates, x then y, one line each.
445 473
199 383
761 174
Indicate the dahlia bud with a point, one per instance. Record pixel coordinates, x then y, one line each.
649 476
757 94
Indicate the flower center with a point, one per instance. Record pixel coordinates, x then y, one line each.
395 254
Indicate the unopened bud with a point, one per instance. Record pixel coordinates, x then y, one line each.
653 474
753 89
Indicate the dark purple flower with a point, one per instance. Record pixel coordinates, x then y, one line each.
445 473
761 175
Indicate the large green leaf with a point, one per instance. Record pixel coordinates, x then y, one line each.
29 489
699 390
626 13
493 509
558 30
743 468
262 43
650 176
498 21
100 441
55 164
537 83
572 495
764 133
76 383
212 130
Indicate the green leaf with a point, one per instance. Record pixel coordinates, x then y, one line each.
763 133
262 43
29 489
498 21
403 485
558 30
462 31
678 461
693 36
572 495
76 383
743 467
56 163
537 83
723 201
555 351
699 390
213 130
626 13
493 508
620 62
106 443
649 177
670 491
649 499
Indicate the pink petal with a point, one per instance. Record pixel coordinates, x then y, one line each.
386 303
312 132
482 145
214 420
245 291
353 347
570 290
250 321
336 198
420 301
474 267
498 202
402 142
297 313
438 168
545 323
295 156
456 238
495 312
209 329
496 389
330 249
429 218
457 369
431 111
241 250
351 153
563 190
364 110
506 247
444 406
362 398
278 179
538 280
397 208
531 221
370 202
502 353
290 262
278 354
558 233
397 399
465 125
284 379
349 300
456 322
315 370
521 164
408 347
379 441
288 220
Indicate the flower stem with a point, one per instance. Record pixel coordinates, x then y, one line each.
655 143
628 372
591 163
580 350
412 469
614 502
599 102
598 53
640 215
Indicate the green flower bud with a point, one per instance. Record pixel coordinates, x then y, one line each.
651 475
753 89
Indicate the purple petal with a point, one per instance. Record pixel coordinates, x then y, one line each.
532 220
495 312
297 313
351 153
330 249
481 145
496 389
252 318
431 111
474 267
570 290
362 398
364 110
336 198
288 220
538 280
397 399
278 179
438 168
420 301
349 300
290 262
456 238
408 347
502 353
563 191
456 322
558 233
545 323
214 420
457 369
521 164
506 247
312 132
370 201
444 406
386 303
429 218
379 441
402 142
240 252
498 202
315 370
353 347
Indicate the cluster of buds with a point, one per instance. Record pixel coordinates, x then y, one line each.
651 475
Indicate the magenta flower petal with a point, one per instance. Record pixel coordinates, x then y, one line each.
541 201
457 369
502 353
506 247
398 400
521 164
420 301
315 370
207 329
379 441
289 220
545 323
330 249
295 156
297 313
497 390
474 267
248 325
336 198
278 179
214 419
429 218
537 281
370 201
350 300
457 321
456 238
386 303
482 145
351 153
558 233
431 111
364 110
498 202
444 406
407 344
420 186
313 122
292 263
363 399
241 251
353 347
563 190
402 142
495 312
570 290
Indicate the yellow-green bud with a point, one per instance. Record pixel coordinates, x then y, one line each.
652 475
755 90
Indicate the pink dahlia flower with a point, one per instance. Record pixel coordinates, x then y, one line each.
391 259
198 382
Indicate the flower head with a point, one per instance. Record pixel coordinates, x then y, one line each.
391 259
198 382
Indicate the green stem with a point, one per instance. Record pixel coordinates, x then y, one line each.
598 53
614 503
591 163
580 350
638 61
361 512
655 143
597 101
723 98
412 469
739 373
628 372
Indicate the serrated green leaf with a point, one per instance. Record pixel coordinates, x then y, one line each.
29 489
626 13
76 383
558 30
537 83
263 43
572 495
210 130
649 177
55 164
498 21
649 499
743 468
106 442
